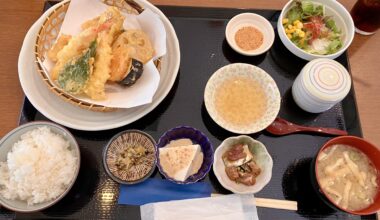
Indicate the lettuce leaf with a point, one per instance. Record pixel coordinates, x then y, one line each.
307 8
334 46
319 10
294 13
330 23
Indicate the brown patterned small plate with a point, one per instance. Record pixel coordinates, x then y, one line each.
130 157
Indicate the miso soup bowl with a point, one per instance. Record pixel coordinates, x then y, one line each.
373 153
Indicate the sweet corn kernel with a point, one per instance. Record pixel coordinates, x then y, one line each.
298 31
296 22
291 31
302 41
301 34
285 20
299 25
290 26
289 36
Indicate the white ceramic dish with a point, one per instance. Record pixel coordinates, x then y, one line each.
246 70
342 19
71 116
253 20
6 145
321 84
263 160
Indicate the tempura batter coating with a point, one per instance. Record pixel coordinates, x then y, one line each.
62 41
74 48
95 88
142 48
131 44
112 61
90 23
120 63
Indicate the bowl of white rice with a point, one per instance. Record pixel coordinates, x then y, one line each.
39 163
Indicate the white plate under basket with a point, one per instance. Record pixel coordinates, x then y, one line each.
74 117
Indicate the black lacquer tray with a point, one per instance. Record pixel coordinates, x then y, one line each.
204 50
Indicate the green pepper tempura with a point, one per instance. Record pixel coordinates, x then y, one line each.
307 26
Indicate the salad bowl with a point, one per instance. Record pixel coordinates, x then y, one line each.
330 10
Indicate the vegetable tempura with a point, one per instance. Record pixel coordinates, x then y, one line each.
103 51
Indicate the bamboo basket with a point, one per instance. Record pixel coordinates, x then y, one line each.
47 35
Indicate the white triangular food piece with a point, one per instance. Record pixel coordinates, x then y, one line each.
178 162
241 161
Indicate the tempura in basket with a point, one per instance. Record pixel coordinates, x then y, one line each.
103 51
112 22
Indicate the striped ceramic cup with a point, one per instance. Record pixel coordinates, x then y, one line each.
321 84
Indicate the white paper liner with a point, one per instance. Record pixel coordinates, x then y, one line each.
226 207
118 96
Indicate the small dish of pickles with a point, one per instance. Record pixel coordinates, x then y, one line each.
130 157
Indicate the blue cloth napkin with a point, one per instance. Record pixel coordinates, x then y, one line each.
159 190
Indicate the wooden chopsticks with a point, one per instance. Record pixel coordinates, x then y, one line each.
276 203
272 203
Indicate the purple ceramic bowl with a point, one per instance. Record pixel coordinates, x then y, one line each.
197 137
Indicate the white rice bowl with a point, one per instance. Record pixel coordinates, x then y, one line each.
40 167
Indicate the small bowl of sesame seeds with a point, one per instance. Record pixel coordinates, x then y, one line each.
249 34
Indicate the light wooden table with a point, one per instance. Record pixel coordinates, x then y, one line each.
17 16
